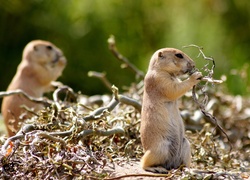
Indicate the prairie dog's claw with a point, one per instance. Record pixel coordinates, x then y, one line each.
193 71
196 75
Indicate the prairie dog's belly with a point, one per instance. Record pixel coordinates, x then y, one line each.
172 110
174 117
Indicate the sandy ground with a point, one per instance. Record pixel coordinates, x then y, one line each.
131 170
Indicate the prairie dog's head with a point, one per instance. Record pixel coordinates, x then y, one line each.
171 60
44 58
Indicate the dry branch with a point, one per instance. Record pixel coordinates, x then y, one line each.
208 79
110 132
212 118
102 77
94 115
119 56
51 137
165 176
45 102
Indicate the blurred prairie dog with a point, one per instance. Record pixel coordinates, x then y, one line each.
42 63
162 129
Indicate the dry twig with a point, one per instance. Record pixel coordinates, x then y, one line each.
208 78
95 115
45 102
102 77
119 56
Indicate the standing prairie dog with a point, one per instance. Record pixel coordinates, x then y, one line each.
162 129
42 63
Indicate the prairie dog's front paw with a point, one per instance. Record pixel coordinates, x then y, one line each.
196 77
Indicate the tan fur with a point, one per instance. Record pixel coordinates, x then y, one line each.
162 128
42 63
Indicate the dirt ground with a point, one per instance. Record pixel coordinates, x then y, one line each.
131 170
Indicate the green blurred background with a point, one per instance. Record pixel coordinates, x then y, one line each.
81 29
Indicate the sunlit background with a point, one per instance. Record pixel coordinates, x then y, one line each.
81 29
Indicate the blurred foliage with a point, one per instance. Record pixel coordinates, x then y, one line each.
81 29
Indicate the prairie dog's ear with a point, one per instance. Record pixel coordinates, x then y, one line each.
35 48
161 55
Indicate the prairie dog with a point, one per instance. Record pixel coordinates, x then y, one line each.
162 129
42 62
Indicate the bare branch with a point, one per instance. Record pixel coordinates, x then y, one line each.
207 79
211 80
62 89
119 56
45 102
130 101
165 176
96 114
89 132
201 52
51 137
212 118
102 77
25 129
126 100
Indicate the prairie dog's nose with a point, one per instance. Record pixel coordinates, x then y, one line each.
191 64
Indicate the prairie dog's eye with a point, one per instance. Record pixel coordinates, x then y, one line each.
179 55
49 47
